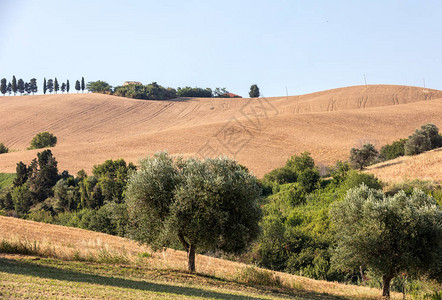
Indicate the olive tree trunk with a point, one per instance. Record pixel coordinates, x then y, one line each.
190 248
386 279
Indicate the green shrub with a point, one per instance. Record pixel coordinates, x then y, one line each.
423 139
3 148
43 140
364 156
393 150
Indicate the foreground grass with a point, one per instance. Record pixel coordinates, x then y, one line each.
49 261
30 277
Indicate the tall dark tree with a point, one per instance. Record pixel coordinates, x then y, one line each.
45 88
50 85
254 91
77 86
34 87
43 175
3 86
56 85
28 88
14 85
63 87
9 89
21 86
83 86
68 86
21 174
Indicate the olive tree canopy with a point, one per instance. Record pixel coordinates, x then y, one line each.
203 205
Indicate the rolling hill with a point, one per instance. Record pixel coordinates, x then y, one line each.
260 133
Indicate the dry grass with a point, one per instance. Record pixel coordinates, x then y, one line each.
426 166
93 127
71 243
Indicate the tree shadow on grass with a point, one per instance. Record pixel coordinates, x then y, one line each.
34 269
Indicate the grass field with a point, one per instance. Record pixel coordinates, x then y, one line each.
63 262
260 133
6 179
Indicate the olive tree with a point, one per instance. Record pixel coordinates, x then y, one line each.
363 157
388 234
204 205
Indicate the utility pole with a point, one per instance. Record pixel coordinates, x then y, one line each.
365 80
424 82
286 92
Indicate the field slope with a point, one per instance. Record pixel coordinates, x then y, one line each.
260 133
75 263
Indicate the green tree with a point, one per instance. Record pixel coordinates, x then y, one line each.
56 85
112 178
43 175
9 89
28 88
63 87
393 150
363 157
3 148
194 92
423 139
21 197
68 86
43 140
45 87
77 86
83 86
3 86
254 91
14 85
388 235
98 86
21 86
21 174
33 86
50 85
204 205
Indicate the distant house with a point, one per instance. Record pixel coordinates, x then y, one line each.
231 95
131 82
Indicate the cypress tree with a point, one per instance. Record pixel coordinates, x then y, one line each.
28 88
50 85
56 85
68 87
63 87
77 85
14 85
3 86
44 86
21 86
9 89
82 85
34 87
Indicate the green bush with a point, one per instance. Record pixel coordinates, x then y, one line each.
393 150
3 148
43 140
194 92
423 139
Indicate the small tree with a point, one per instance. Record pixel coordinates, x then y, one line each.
204 205
50 85
68 86
254 91
43 140
3 148
63 87
45 88
363 157
14 85
56 85
33 86
77 86
3 86
9 89
28 88
388 235
21 86
83 86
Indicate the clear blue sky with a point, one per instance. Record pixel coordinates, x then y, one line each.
306 46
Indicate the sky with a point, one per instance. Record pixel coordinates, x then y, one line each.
282 46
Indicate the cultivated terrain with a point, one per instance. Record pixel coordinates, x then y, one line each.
260 133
